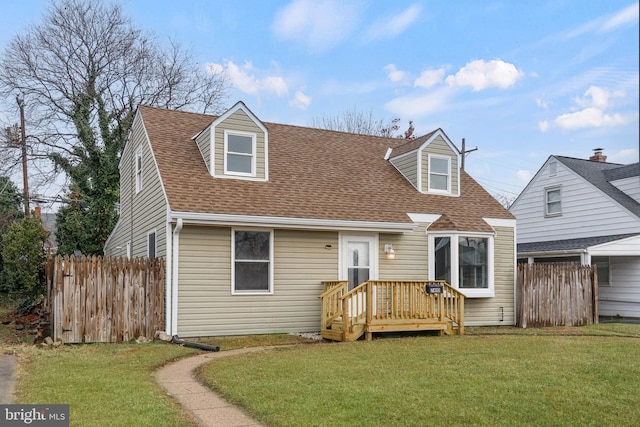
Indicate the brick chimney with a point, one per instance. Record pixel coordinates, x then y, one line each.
38 212
598 156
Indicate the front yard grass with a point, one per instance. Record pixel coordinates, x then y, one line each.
586 376
104 384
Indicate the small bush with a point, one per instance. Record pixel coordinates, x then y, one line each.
24 258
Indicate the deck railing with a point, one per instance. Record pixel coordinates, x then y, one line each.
380 301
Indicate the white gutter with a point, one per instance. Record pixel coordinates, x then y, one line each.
174 278
292 223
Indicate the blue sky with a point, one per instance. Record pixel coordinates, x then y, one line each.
521 80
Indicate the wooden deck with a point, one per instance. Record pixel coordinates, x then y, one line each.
389 306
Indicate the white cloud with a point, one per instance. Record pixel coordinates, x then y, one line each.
429 78
244 79
392 26
593 111
598 97
481 75
589 117
543 126
320 24
624 156
395 75
542 103
628 15
300 101
524 175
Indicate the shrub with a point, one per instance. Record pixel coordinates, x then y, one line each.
24 258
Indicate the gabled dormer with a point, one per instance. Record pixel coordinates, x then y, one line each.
430 163
235 145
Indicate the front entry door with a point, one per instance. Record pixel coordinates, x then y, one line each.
359 262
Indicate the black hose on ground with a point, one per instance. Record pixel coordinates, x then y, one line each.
192 344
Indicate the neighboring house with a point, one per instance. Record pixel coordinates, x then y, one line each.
586 211
251 217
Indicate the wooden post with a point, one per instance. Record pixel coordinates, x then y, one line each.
368 311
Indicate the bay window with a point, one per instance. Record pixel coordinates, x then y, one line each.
464 261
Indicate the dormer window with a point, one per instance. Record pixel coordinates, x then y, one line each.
239 153
439 173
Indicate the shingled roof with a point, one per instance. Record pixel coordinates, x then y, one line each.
313 173
600 174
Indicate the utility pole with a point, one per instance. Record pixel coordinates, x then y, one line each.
464 153
23 140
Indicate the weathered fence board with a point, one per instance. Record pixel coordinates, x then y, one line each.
556 294
96 299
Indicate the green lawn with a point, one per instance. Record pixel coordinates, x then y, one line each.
525 377
104 384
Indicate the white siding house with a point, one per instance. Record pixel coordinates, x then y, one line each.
586 211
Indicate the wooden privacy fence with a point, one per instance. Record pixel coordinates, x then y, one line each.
101 299
556 294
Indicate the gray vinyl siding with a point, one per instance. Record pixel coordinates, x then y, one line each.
499 310
143 211
408 166
206 306
411 255
586 211
622 297
204 144
239 121
439 147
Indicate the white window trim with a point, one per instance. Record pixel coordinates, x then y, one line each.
270 291
254 156
138 170
436 190
547 190
129 249
489 292
155 242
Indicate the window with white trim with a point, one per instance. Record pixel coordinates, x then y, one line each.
252 271
239 153
439 173
151 244
552 201
464 261
138 167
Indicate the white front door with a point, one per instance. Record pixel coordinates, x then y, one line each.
359 259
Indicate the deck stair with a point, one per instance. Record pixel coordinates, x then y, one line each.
390 306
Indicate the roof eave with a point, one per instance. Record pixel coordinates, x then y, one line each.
198 218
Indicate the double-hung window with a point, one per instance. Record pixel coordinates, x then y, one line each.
552 201
252 262
463 261
439 173
239 153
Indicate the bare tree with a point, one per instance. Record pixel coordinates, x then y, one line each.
82 73
357 121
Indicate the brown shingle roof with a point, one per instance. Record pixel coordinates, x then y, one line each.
313 173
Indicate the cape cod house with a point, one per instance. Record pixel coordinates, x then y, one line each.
256 220
588 212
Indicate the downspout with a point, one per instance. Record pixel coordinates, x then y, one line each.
174 277
168 275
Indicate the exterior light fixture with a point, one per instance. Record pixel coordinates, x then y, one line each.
388 249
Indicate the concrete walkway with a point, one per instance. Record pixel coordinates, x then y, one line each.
208 408
7 379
